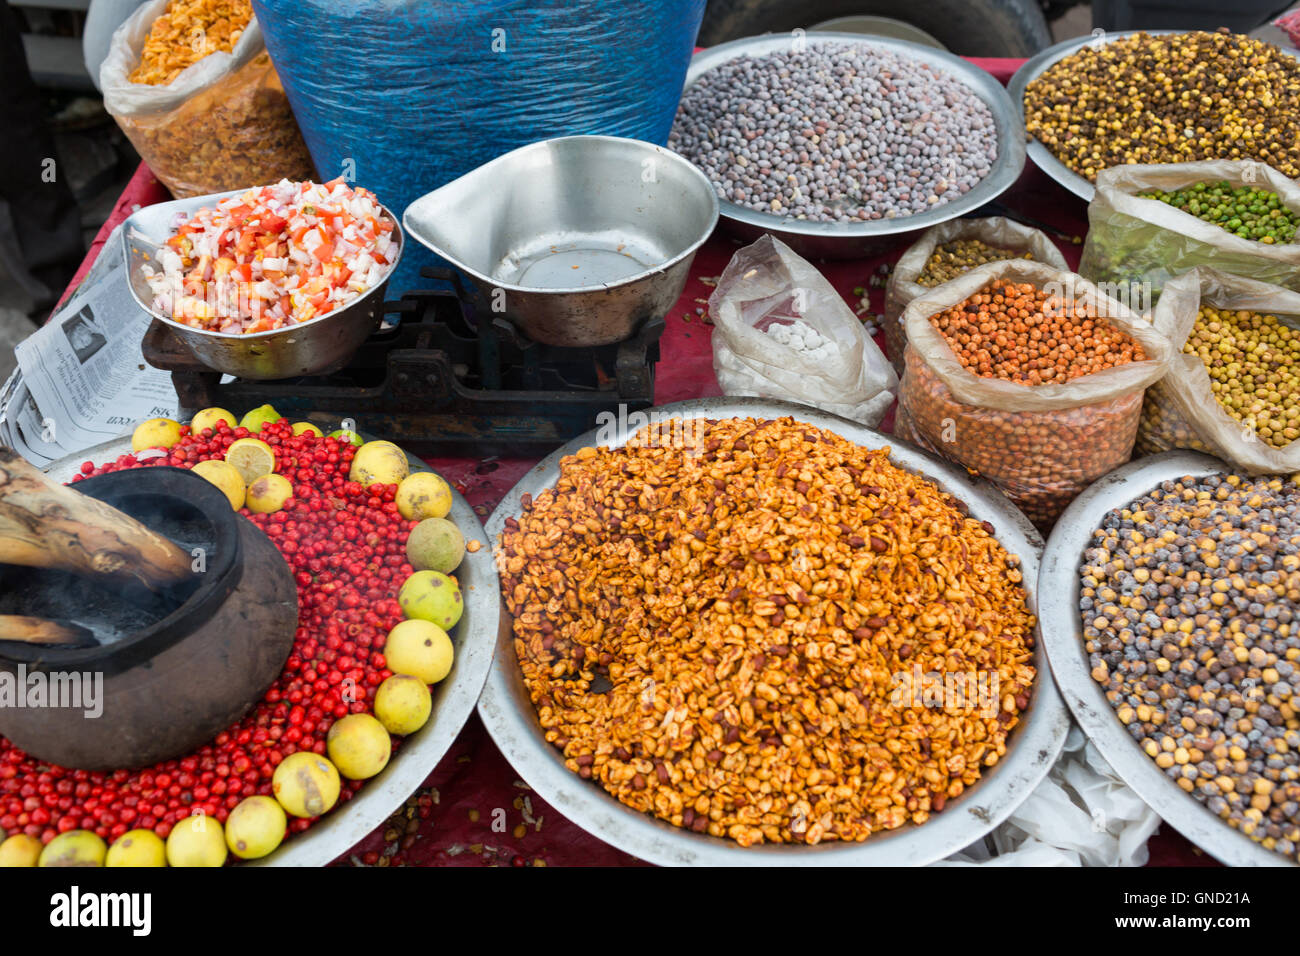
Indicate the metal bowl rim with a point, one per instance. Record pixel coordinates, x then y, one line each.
1058 586
1031 752
349 823
1006 168
1038 64
543 145
189 206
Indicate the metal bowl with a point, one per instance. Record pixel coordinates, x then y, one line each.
578 240
453 698
849 240
1036 66
314 347
1058 589
1033 748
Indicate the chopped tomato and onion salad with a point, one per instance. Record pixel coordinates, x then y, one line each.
273 257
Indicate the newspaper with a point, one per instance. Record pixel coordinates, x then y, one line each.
82 378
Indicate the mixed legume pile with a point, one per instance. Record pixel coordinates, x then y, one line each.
715 634
1189 599
1169 99
1019 333
1245 211
952 259
1254 366
835 132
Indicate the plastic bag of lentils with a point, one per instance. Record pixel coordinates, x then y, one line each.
905 282
1132 239
1040 444
782 331
1182 410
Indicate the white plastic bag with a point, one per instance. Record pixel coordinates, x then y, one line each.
1082 814
766 284
223 123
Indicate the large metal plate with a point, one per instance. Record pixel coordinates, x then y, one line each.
1031 70
1058 588
1033 748
453 698
848 240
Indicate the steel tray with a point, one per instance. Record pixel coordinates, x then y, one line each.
453 699
1030 70
511 720
849 240
1058 588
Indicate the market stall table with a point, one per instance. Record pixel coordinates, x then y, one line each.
473 809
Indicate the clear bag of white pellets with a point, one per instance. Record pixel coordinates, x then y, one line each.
976 240
782 331
1146 242
1234 387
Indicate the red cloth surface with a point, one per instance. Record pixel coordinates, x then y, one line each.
459 824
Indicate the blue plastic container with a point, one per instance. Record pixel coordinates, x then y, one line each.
403 96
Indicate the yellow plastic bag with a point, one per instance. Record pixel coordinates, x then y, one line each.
223 123
1181 410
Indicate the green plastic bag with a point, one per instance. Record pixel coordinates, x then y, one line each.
1146 241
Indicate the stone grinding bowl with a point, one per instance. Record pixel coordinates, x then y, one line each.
175 672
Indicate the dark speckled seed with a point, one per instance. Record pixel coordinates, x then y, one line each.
1188 598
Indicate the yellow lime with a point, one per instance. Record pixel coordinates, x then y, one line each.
197 841
226 477
403 704
20 850
255 827
137 848
423 495
155 433
252 457
74 848
210 418
306 428
359 746
421 649
432 596
268 494
379 463
306 784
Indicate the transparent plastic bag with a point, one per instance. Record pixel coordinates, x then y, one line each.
902 286
224 123
1041 445
1181 410
1134 240
766 284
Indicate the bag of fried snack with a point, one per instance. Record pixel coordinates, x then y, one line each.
191 85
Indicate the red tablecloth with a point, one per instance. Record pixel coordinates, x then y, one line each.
454 819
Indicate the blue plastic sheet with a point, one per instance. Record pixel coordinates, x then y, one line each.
403 96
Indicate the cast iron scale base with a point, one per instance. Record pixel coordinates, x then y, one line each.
437 379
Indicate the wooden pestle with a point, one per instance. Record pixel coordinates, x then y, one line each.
47 525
